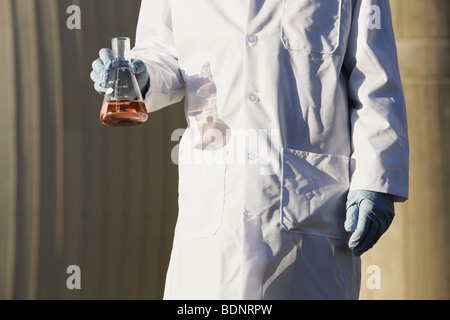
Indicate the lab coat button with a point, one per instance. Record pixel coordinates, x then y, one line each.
252 38
253 97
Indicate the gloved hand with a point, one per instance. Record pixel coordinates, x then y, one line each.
369 214
102 66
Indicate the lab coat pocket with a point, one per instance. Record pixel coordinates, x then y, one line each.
201 193
313 193
311 25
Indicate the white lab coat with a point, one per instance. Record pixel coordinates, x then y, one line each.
310 94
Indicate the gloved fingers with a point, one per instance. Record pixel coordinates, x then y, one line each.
375 224
99 89
382 217
367 240
367 231
99 81
351 217
375 214
94 76
107 57
138 66
360 232
378 214
389 213
99 75
98 66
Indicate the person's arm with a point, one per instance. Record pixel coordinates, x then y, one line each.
380 149
155 47
380 157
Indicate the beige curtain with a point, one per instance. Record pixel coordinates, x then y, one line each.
74 192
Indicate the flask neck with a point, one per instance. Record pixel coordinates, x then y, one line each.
121 48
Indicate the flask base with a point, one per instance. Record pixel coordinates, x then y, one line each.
123 113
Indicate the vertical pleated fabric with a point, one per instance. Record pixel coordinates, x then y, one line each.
73 191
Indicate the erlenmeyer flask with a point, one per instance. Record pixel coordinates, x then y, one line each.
123 104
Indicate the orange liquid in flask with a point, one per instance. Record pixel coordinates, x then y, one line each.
123 113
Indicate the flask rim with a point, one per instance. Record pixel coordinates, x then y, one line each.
121 48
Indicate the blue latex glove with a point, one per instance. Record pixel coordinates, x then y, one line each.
102 66
369 215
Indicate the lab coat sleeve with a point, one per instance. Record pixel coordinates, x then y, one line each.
155 47
380 149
